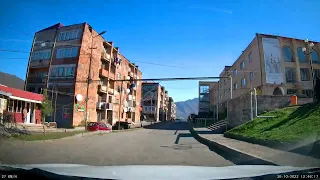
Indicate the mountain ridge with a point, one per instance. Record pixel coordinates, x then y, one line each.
185 108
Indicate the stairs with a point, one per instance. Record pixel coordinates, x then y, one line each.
218 127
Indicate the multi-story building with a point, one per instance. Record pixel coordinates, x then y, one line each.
205 97
80 69
274 65
172 108
151 100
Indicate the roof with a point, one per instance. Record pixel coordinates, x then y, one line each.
56 26
21 94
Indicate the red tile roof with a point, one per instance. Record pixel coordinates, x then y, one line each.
21 94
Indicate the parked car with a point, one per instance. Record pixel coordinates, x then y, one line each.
123 125
98 126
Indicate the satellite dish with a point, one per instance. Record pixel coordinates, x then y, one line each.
79 97
128 91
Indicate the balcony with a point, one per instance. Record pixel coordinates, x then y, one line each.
105 56
39 63
103 73
36 80
101 105
130 74
102 89
110 90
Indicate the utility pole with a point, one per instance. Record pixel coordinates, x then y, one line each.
120 104
55 106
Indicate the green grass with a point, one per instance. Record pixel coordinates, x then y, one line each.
46 136
291 124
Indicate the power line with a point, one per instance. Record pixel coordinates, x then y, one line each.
19 31
17 51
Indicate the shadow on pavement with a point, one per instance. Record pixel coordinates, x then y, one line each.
168 125
236 158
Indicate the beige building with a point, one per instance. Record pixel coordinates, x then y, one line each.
275 65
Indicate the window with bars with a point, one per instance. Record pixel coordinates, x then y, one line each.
290 74
304 74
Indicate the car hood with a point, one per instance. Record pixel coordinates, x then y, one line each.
160 171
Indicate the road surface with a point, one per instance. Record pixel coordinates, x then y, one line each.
160 144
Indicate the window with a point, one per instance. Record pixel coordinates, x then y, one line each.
250 57
119 76
315 57
40 74
204 89
287 54
291 91
235 72
204 98
243 82
62 71
242 65
301 55
290 74
251 76
307 92
67 52
304 74
41 55
68 35
235 86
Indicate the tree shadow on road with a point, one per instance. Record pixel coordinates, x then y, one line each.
168 125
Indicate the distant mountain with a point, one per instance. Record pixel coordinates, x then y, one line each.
11 81
185 108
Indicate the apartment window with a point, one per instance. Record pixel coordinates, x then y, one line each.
67 52
307 92
315 57
235 86
41 55
40 74
251 76
204 98
287 54
235 72
119 76
204 89
290 74
242 65
68 35
302 57
243 82
304 74
250 57
291 91
62 71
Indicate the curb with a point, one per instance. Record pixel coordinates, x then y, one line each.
77 136
233 155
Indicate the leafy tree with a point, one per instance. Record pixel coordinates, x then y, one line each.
46 106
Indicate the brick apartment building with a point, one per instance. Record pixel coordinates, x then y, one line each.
155 101
275 65
60 61
172 109
206 97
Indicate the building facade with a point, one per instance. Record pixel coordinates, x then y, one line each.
151 100
61 59
172 109
206 97
274 65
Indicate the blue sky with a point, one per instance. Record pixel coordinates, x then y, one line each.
187 38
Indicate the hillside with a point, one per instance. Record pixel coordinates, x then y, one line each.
290 124
185 108
11 81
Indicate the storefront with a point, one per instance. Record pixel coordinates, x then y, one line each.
22 106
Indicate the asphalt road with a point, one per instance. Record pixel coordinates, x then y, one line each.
159 144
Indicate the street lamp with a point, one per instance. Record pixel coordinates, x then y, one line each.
89 80
307 50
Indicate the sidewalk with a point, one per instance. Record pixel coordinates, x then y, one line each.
264 153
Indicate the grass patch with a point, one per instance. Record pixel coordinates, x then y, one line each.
291 124
46 136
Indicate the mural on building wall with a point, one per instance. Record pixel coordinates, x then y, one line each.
272 59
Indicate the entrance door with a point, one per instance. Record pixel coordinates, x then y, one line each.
29 113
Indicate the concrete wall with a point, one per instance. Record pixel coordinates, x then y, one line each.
239 109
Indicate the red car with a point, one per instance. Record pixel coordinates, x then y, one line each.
98 126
